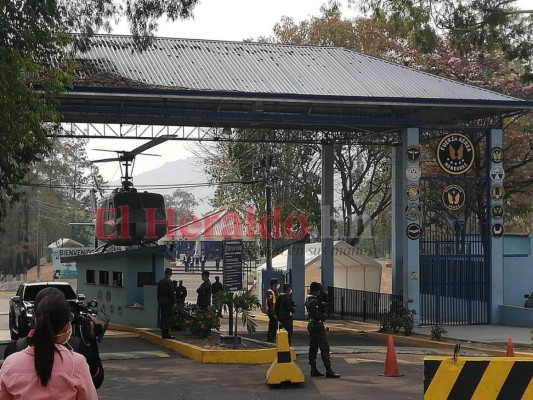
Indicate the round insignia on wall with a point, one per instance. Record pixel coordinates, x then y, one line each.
497 173
497 211
412 192
413 153
497 192
455 153
496 155
412 212
413 172
497 230
413 231
453 197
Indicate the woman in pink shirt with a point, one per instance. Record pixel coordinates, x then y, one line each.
48 370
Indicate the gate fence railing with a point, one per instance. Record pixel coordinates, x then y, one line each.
361 304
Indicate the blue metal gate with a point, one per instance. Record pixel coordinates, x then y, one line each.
454 252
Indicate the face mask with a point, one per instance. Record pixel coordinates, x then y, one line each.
69 334
290 291
277 286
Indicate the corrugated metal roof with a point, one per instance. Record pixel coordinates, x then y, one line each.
267 68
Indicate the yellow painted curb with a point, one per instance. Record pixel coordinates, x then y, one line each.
208 356
417 342
409 340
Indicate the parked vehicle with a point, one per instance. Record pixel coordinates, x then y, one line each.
21 306
529 301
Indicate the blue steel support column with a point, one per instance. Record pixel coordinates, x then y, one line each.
296 265
398 218
496 244
327 215
411 266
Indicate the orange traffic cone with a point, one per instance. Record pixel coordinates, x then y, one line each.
510 350
391 363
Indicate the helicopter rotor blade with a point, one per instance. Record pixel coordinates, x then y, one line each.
107 150
149 154
146 146
105 160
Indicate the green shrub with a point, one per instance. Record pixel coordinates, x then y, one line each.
398 317
437 332
190 319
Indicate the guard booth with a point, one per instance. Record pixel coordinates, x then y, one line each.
124 283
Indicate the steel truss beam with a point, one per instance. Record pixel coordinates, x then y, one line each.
147 132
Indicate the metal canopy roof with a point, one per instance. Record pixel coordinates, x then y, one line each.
211 83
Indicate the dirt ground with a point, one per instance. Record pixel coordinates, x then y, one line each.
45 273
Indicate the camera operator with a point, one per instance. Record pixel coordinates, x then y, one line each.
88 347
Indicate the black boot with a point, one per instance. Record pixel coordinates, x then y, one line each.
315 371
166 335
331 374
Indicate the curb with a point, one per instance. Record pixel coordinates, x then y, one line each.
201 355
207 356
409 340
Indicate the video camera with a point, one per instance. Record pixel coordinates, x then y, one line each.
86 324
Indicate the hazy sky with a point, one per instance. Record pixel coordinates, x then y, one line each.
233 20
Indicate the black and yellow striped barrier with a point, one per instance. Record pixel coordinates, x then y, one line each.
478 378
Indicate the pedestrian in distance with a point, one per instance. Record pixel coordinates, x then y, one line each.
87 347
181 293
204 292
217 262
285 309
217 287
190 262
317 332
202 262
166 298
186 262
270 305
196 261
47 369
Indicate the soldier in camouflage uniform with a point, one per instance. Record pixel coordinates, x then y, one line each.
317 332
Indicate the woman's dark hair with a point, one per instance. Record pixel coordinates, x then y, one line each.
52 314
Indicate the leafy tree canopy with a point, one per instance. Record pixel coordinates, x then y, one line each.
468 24
34 47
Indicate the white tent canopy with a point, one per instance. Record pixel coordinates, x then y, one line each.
351 270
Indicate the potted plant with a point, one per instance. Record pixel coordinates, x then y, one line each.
238 303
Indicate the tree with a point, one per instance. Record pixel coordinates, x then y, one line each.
182 202
365 186
468 25
55 193
239 303
241 170
364 179
35 48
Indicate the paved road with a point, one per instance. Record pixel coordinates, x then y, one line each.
160 374
135 369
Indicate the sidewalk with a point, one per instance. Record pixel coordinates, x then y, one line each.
495 335
490 334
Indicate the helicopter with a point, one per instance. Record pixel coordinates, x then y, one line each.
128 217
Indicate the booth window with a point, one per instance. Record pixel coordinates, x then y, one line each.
144 278
117 278
103 277
90 276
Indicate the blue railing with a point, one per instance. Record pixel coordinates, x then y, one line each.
361 304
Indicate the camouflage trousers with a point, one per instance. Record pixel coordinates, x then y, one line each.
317 340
